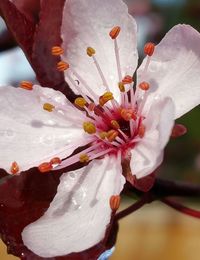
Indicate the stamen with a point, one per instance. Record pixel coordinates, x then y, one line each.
89 127
141 130
62 66
57 51
84 158
115 202
127 114
121 87
14 168
115 124
96 155
55 161
91 106
80 102
103 135
115 32
45 167
149 48
90 51
127 79
111 135
105 98
48 107
144 86
26 85
132 127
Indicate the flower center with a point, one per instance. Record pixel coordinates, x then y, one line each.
114 126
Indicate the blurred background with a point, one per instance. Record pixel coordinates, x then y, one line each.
154 232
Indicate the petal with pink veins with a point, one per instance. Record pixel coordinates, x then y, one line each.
78 216
92 30
30 135
174 69
147 155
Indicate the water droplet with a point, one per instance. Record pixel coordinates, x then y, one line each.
78 198
72 175
9 133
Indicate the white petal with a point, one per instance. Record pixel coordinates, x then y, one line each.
30 135
147 155
87 24
174 69
77 217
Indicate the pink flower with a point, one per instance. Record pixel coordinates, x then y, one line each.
110 124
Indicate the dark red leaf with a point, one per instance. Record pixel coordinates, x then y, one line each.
48 35
20 26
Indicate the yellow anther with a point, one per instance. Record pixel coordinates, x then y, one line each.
62 66
84 158
115 124
80 102
14 168
57 51
115 32
90 51
105 98
103 135
48 107
121 87
111 135
89 127
26 85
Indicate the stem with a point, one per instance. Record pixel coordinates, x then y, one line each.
164 188
146 198
175 205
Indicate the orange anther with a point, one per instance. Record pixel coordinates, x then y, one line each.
111 135
127 79
57 51
62 66
90 51
115 32
45 167
127 114
55 161
144 86
14 168
178 130
141 131
149 48
115 202
115 124
26 85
